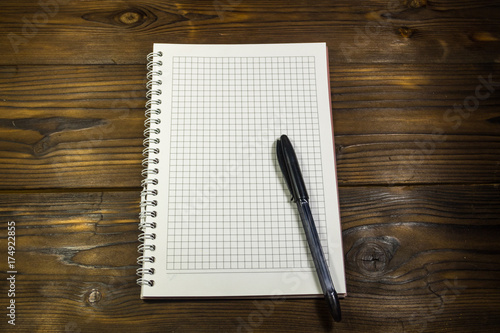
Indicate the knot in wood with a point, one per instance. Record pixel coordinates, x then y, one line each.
40 148
414 3
339 149
94 296
406 32
130 18
372 255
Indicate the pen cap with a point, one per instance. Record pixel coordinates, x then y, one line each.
297 184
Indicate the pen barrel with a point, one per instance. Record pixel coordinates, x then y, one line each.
318 256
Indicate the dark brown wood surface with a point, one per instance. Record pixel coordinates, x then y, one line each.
416 108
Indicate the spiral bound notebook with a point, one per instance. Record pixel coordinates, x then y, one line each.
216 217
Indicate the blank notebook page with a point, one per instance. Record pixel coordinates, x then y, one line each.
225 222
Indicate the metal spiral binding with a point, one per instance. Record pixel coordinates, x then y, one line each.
148 215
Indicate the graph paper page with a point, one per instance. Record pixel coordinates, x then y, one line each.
226 225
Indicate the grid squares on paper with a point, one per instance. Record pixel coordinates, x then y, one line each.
227 207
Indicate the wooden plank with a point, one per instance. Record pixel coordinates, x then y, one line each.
422 257
75 127
414 124
79 32
82 126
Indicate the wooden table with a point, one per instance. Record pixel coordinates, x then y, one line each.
416 108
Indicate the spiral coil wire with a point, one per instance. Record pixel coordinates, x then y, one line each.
148 215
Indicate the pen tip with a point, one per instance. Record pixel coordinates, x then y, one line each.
334 305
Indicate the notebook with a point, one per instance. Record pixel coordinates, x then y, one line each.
216 216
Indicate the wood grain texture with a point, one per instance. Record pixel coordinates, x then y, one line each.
110 32
415 259
72 126
416 111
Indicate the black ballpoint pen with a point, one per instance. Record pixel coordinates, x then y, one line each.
290 168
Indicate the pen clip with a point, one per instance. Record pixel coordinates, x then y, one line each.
282 163
290 168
